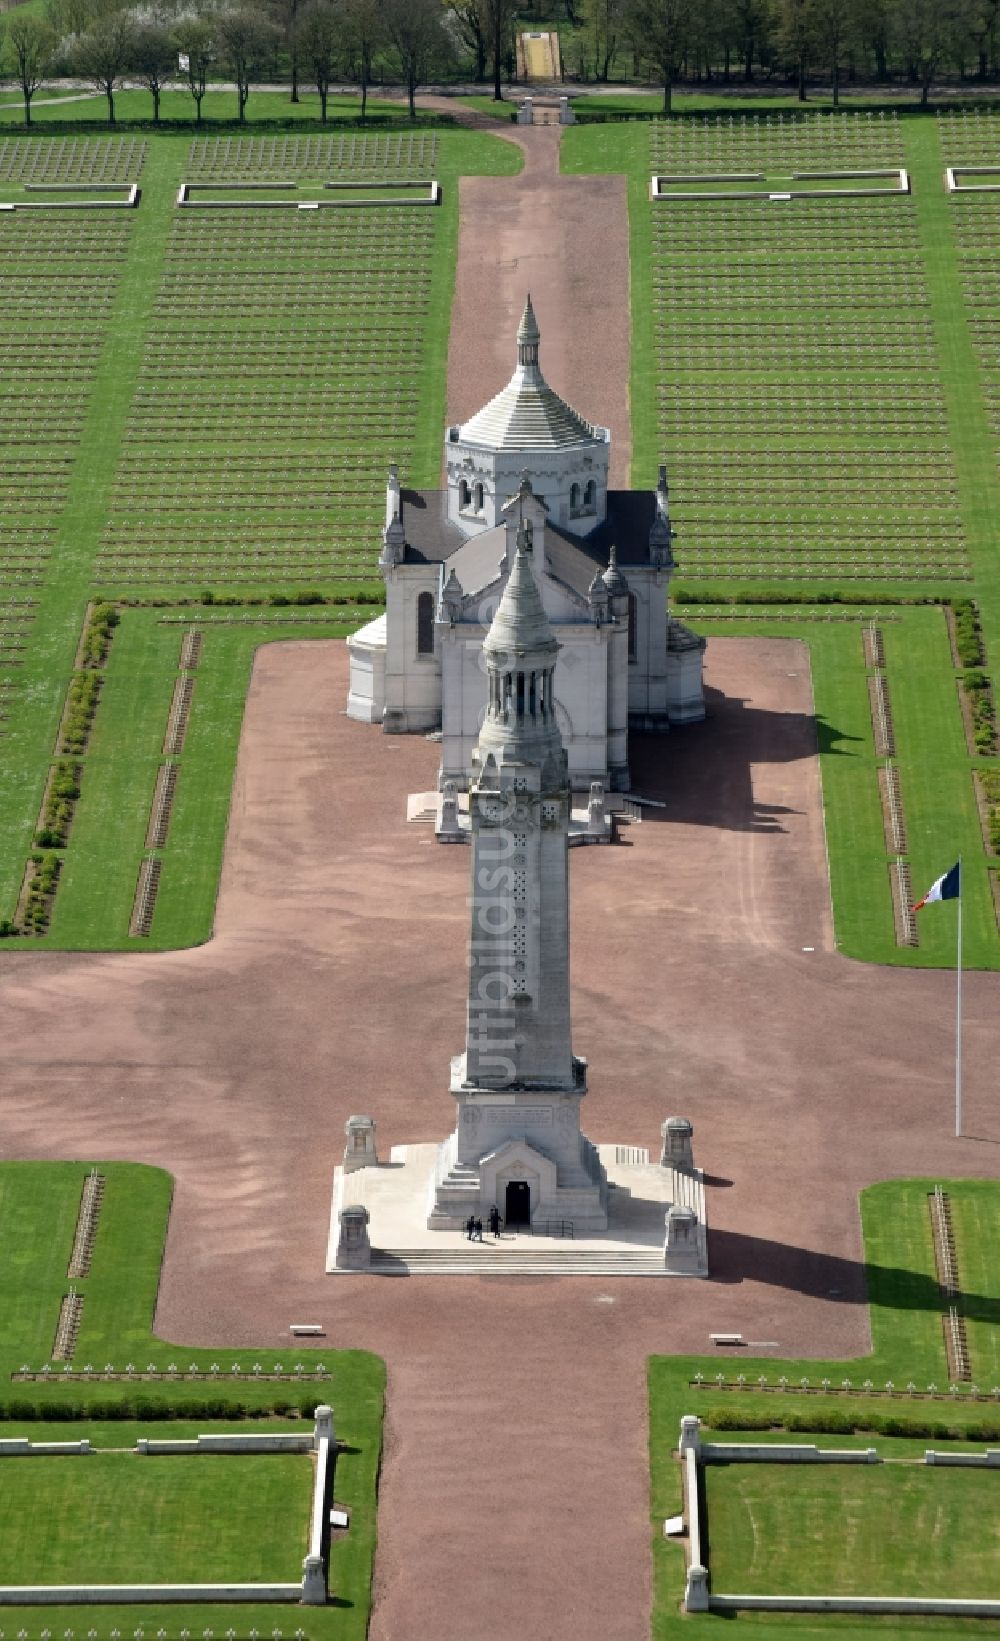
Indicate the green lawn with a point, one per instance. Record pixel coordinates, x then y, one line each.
901 1528
120 1518
89 107
908 1348
772 372
184 455
38 1211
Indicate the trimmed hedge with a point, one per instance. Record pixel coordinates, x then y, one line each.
968 633
70 1408
835 1423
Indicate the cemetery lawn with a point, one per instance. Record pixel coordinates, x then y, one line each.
898 1528
831 437
191 473
38 1212
907 1349
119 1518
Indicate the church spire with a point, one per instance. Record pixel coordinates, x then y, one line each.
528 336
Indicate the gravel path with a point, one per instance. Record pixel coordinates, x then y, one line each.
516 1475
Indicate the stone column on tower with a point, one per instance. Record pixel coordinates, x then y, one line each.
518 1086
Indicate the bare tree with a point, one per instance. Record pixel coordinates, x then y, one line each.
32 43
417 36
318 38
364 34
196 52
244 37
153 59
660 30
103 53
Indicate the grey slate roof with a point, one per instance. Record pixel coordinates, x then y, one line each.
430 537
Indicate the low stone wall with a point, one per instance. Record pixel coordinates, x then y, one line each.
784 1453
227 1444
991 1457
873 1604
18 1447
114 1595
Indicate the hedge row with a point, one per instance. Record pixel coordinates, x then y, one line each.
979 695
104 619
968 633
64 789
751 595
990 779
834 1423
81 704
68 1408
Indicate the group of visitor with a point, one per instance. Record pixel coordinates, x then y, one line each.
474 1226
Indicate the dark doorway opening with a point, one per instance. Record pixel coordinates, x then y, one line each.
518 1208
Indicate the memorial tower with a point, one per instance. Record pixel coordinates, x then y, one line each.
518 1086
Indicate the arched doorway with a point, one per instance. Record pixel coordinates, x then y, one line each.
517 1209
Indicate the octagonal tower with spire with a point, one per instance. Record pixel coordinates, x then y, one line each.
527 427
518 1086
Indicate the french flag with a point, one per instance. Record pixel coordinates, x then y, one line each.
948 887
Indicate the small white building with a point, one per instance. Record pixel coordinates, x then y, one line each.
602 562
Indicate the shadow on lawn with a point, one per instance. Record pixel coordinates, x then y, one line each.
703 773
734 1257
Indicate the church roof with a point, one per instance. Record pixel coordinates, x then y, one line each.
431 536
528 414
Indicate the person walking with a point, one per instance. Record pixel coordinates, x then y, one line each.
479 1230
470 1227
495 1221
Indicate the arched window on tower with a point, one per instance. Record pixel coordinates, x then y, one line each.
590 495
479 498
425 624
464 495
633 636
574 498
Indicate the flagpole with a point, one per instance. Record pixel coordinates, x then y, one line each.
958 1009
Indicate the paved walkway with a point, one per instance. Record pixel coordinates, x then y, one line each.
566 240
516 1478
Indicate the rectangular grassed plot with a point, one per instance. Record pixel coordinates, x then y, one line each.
117 1518
885 1530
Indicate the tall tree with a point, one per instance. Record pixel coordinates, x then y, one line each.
984 19
32 43
153 59
364 35
195 44
286 18
244 38
498 18
834 23
470 22
318 40
929 32
603 21
797 37
417 36
660 31
102 54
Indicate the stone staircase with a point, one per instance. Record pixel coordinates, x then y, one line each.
518 1258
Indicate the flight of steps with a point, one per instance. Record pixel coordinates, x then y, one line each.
517 1259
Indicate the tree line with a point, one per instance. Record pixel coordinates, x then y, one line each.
168 43
322 43
789 42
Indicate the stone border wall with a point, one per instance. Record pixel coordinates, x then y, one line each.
311 1590
695 1454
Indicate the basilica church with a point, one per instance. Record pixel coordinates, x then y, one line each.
527 465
